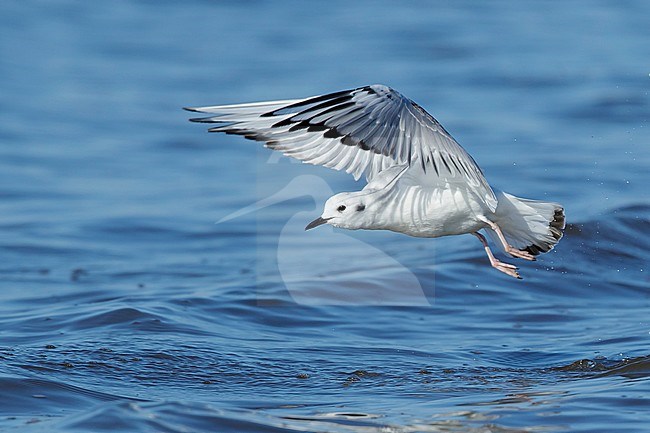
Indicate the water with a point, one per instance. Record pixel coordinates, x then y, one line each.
124 307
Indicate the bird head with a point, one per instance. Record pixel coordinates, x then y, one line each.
345 210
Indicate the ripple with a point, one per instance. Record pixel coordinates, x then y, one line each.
637 367
27 396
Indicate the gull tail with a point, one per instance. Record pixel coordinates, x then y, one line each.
528 225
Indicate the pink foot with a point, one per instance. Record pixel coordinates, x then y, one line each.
506 268
522 254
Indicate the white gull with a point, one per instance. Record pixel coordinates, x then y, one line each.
421 182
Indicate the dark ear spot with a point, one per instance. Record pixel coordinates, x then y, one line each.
361 207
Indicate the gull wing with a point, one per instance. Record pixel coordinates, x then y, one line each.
362 131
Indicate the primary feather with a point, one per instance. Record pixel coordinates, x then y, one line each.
362 131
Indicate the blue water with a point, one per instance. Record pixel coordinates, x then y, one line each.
125 308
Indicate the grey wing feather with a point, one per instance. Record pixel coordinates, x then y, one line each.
361 131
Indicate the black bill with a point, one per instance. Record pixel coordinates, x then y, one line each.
317 222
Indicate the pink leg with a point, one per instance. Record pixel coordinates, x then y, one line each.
506 268
514 252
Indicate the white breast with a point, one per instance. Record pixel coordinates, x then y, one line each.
424 211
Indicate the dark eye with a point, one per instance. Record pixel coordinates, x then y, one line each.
361 207
341 208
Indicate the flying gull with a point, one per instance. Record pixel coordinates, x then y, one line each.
420 181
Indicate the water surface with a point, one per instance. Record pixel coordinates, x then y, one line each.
124 307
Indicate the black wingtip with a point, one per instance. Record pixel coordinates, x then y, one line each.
193 110
205 120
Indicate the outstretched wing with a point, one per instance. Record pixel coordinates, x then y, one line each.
361 131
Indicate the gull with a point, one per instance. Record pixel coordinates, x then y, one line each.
420 181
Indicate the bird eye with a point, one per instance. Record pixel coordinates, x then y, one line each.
341 208
361 207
